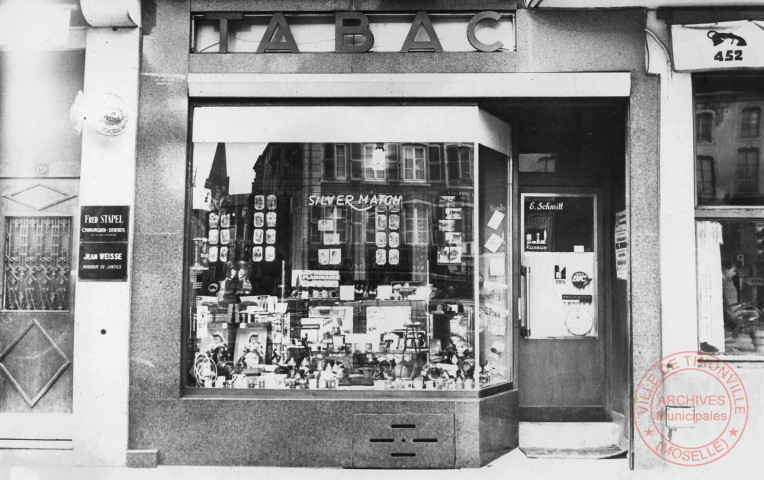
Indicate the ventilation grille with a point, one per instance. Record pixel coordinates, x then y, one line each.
403 441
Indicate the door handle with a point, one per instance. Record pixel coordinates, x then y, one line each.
525 302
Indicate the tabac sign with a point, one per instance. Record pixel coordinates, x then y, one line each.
716 46
352 32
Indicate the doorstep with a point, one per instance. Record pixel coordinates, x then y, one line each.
571 440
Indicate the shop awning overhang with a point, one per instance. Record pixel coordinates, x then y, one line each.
413 85
316 124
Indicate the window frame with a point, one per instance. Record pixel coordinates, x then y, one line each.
751 171
744 124
415 206
366 168
425 163
723 213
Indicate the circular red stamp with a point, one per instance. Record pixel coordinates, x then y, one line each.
690 409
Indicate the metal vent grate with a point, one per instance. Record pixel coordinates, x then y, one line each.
403 441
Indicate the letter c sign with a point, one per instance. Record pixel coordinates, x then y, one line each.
487 15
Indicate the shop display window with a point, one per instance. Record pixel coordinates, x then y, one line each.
730 218
731 286
347 266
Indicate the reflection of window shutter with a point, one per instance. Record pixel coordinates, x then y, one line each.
356 150
465 163
329 160
705 181
341 161
434 163
315 214
747 171
356 161
393 162
370 226
452 163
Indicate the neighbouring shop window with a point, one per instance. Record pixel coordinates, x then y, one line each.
730 213
731 286
346 265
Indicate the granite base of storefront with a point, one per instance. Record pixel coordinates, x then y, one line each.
329 429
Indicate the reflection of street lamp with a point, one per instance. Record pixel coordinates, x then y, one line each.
105 112
378 157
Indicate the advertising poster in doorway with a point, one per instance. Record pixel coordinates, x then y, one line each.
621 245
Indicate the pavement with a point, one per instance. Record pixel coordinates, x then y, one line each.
511 466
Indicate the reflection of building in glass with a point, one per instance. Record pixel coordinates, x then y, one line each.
728 148
372 210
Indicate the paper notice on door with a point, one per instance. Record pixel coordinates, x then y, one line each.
496 219
202 319
494 242
347 292
621 232
496 267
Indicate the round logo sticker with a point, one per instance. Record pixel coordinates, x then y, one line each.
580 279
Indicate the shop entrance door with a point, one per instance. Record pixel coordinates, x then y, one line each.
561 349
37 220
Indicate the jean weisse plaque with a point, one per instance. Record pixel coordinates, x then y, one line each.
103 261
103 243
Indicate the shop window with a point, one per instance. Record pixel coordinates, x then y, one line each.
729 214
749 122
731 286
704 122
302 280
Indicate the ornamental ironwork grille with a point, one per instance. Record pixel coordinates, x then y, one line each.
38 262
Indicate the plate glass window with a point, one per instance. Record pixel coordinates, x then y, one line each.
730 213
339 266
